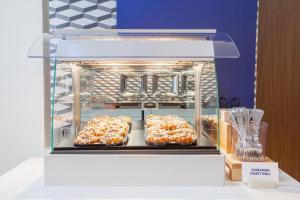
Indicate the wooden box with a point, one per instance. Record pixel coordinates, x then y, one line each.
235 167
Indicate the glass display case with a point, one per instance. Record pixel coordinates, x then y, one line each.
134 91
136 98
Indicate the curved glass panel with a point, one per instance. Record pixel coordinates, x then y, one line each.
191 45
210 104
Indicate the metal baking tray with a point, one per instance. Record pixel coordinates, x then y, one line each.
124 143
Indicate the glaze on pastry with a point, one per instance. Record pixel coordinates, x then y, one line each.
104 129
168 129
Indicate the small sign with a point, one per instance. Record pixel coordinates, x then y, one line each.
260 174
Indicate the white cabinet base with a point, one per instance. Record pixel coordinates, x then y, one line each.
134 170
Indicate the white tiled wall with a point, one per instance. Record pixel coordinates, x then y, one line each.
82 14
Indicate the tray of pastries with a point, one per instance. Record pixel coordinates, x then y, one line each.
169 130
104 130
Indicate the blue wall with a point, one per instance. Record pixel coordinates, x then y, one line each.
236 17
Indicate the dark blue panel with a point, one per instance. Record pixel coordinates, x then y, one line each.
236 17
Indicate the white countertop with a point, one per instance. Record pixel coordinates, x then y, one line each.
26 182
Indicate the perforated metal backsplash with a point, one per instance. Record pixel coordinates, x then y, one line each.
107 84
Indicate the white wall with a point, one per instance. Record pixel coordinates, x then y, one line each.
21 83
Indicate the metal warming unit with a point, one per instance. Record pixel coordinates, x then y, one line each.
132 107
